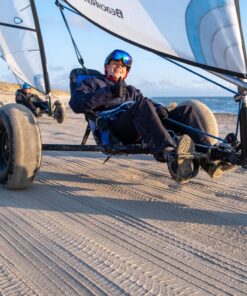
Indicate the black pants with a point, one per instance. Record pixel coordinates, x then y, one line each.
142 122
42 105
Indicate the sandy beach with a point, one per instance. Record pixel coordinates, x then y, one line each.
123 227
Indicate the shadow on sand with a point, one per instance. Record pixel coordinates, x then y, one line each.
51 195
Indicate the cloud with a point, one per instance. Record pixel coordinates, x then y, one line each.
207 85
168 87
56 68
77 21
60 81
161 84
48 21
157 87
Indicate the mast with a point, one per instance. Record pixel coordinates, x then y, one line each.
41 46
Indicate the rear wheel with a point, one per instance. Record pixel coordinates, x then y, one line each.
206 117
20 147
210 126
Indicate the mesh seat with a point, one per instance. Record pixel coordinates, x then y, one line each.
78 75
102 133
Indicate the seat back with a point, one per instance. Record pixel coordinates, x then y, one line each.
102 133
77 75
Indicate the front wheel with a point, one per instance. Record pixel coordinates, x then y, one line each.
20 147
59 111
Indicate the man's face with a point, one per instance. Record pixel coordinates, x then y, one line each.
27 90
116 69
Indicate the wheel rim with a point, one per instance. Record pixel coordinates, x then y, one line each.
4 149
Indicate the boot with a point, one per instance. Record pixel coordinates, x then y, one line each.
215 169
180 167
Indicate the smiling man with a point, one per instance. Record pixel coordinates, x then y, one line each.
115 70
138 119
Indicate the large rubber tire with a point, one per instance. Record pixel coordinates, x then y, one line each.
20 147
207 118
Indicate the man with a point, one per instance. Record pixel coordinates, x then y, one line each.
143 119
31 101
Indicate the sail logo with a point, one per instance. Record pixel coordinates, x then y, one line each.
18 20
116 12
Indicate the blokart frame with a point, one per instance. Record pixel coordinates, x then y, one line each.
20 158
230 149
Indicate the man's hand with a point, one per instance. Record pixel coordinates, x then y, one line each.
119 89
162 112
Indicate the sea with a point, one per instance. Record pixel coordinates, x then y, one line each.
216 104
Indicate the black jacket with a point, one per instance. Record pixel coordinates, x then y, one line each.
94 94
27 100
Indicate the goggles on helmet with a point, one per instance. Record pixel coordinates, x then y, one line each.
118 55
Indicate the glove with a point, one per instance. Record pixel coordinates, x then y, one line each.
162 112
119 89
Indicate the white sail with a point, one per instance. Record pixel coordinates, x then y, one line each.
21 44
204 33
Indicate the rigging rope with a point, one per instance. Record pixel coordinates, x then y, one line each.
78 54
200 75
194 129
214 82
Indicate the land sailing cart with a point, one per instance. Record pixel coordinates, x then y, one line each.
210 38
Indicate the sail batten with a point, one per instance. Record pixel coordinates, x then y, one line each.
21 44
204 33
17 27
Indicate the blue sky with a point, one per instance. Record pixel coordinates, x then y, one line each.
153 75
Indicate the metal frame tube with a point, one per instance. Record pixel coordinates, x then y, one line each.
233 80
108 149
